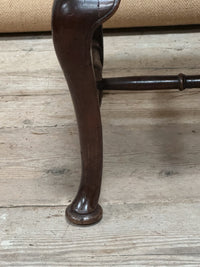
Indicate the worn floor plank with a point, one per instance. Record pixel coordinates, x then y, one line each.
123 108
151 186
26 60
42 165
129 235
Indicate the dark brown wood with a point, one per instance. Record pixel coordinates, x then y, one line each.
180 82
78 40
75 25
97 56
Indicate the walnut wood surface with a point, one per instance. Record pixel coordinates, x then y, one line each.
78 40
74 25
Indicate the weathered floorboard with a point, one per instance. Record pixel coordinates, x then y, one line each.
29 65
42 165
129 235
151 185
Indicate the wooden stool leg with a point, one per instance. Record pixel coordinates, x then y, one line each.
74 24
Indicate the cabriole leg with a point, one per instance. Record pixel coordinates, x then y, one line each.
74 24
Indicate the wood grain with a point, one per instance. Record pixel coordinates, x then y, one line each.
129 235
151 184
42 165
25 60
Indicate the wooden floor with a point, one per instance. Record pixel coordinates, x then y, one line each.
151 179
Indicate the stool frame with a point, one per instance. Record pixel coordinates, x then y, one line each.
78 40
